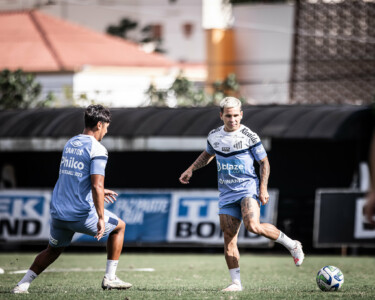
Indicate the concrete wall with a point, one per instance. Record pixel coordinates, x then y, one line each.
264 40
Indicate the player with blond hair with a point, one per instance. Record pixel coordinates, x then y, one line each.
236 147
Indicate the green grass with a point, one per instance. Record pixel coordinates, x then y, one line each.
190 276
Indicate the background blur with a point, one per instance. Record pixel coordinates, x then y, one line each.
304 70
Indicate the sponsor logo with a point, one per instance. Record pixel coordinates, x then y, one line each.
194 219
250 134
230 167
76 151
216 144
71 163
231 181
76 143
53 241
225 149
133 208
259 150
21 216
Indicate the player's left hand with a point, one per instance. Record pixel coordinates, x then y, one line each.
110 196
264 196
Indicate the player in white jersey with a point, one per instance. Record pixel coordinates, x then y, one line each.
77 203
241 192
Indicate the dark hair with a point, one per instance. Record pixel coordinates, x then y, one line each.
95 114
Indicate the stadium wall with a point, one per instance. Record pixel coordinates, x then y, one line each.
298 169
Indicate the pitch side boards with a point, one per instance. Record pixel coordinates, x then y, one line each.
151 216
339 220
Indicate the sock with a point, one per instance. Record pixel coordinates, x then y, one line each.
287 242
27 279
110 270
235 274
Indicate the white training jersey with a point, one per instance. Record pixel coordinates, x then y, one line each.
235 154
82 157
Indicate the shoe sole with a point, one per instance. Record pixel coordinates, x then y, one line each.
115 288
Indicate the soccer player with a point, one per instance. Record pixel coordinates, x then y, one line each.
77 203
241 192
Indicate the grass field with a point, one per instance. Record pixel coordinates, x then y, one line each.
188 276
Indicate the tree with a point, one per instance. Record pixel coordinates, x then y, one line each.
18 90
121 30
186 93
147 33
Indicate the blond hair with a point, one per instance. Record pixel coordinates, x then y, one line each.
230 102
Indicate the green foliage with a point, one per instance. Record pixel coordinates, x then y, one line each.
186 93
18 90
156 97
121 30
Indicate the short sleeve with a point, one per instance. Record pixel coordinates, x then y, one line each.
99 158
258 151
98 165
209 149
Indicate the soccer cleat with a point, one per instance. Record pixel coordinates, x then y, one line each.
18 290
116 284
233 287
297 254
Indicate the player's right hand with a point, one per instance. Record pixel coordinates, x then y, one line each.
185 177
101 228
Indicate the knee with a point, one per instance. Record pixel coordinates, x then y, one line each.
253 227
230 240
121 225
54 251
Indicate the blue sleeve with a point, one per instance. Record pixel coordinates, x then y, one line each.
98 165
258 151
209 149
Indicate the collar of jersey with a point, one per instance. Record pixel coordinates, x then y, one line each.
231 132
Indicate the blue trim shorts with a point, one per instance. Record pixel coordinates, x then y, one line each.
61 232
233 208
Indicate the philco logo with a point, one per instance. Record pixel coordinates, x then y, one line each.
71 163
76 143
225 149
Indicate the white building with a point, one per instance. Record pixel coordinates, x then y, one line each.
263 35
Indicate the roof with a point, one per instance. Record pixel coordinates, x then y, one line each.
37 42
152 128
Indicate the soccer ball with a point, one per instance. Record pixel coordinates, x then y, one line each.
329 278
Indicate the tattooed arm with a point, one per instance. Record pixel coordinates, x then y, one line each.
203 160
264 171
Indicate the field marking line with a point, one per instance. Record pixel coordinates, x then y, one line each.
53 270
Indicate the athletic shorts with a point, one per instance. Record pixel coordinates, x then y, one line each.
61 232
233 208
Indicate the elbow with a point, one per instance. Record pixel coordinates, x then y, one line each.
98 187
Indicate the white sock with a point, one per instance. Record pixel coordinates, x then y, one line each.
235 274
110 271
27 279
287 242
